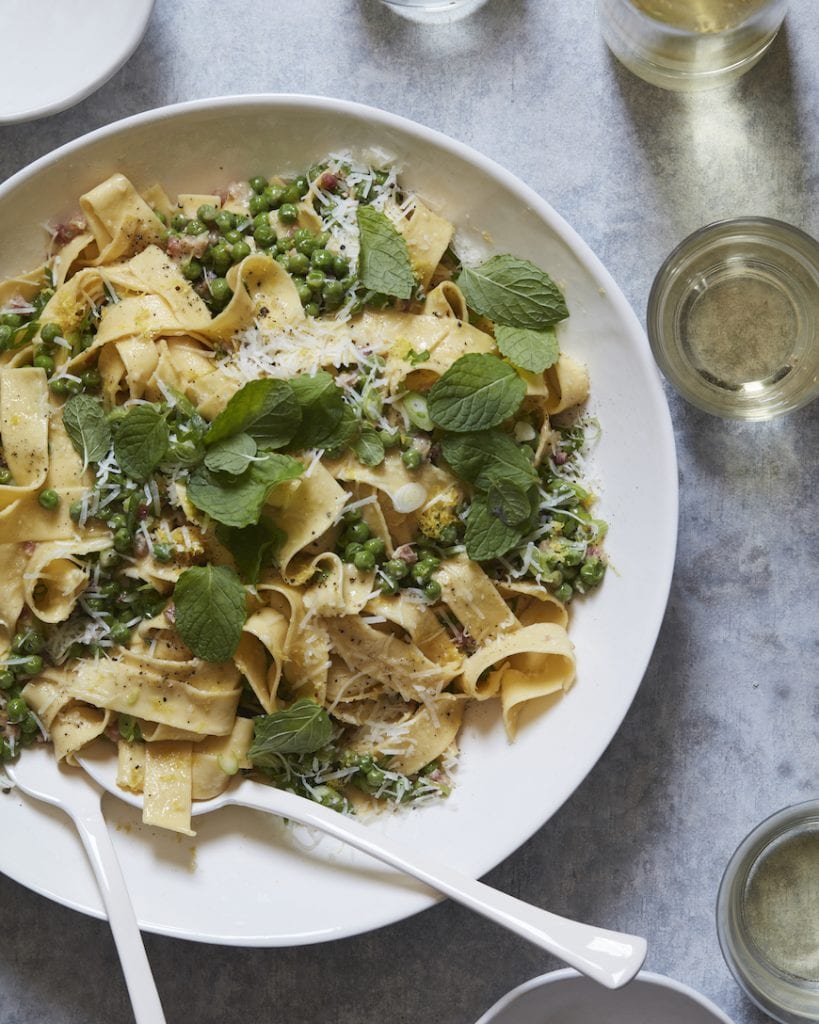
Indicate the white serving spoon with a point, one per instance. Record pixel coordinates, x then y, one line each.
38 775
611 958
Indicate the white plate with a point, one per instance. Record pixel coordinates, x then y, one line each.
247 879
564 997
57 52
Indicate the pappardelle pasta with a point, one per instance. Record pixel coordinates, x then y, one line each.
284 485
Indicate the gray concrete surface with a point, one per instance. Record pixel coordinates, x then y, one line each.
724 728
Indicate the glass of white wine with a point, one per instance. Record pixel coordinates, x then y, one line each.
690 44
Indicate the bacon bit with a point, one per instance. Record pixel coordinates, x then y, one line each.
328 181
407 554
63 233
188 245
170 613
560 458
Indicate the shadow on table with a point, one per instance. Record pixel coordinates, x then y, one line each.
703 147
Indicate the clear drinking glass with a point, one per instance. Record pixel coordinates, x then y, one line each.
434 10
690 44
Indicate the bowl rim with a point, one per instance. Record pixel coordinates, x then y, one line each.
568 973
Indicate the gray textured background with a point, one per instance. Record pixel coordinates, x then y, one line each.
724 728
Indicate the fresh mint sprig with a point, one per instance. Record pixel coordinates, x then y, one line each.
477 392
384 263
513 292
210 611
85 423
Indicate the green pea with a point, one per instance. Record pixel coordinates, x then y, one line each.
163 552
220 258
328 797
6 333
375 778
333 291
432 590
341 265
321 259
284 244
50 331
376 546
274 195
448 535
60 386
387 585
364 560
315 280
358 532
304 241
29 725
257 205
224 221
179 222
351 550
592 572
16 710
191 270
117 521
264 236
75 510
120 633
301 185
397 568
305 294
220 290
5 475
49 499
32 666
288 213
122 540
564 592
43 362
30 641
7 679
240 251
298 263
411 458
91 379
312 309
352 515
207 213
258 183
423 570
13 320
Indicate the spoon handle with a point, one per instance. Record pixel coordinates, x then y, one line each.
611 958
96 839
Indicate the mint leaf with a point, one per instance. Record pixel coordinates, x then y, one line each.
486 535
489 457
210 611
233 455
513 292
267 410
239 500
343 434
383 264
476 392
141 442
322 409
253 547
529 349
508 502
303 728
85 423
369 448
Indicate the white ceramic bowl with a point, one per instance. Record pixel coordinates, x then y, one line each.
301 890
564 997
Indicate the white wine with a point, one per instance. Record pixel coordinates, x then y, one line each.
700 15
690 44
